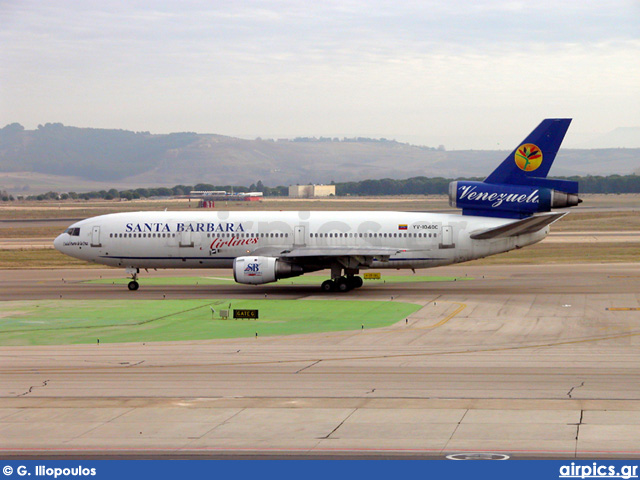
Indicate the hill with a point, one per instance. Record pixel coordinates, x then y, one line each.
122 158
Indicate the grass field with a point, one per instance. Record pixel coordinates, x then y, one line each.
40 258
599 222
604 252
625 218
58 322
541 253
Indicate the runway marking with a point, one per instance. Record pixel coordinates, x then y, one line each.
461 306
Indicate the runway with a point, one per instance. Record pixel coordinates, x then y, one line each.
524 361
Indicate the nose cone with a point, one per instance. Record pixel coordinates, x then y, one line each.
57 243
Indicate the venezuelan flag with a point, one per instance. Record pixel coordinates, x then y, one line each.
403 227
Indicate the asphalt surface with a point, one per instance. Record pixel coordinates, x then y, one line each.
524 361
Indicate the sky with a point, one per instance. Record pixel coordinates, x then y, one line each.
463 74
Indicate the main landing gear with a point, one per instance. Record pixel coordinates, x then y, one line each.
133 284
342 284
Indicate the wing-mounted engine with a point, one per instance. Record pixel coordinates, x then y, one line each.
257 270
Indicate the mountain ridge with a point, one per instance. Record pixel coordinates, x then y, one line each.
125 157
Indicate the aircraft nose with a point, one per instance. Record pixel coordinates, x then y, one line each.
57 243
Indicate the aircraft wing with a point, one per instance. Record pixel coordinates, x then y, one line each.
520 227
338 251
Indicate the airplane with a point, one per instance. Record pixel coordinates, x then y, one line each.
510 209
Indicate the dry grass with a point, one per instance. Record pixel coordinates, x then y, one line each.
624 219
40 258
84 209
599 222
541 253
30 232
545 253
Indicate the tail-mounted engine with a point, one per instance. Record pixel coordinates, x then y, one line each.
509 201
257 270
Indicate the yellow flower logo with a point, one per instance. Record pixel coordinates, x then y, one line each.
528 157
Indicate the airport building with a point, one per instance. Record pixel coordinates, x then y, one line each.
309 191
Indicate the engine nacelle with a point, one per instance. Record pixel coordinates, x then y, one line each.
479 198
257 270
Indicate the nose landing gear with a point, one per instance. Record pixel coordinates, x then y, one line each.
133 284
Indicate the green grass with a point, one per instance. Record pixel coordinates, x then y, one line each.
58 322
303 280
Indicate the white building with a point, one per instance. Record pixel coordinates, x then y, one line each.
309 191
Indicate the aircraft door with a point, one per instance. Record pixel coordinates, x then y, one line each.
186 239
95 236
447 237
298 235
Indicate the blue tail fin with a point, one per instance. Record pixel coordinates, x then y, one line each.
519 187
529 164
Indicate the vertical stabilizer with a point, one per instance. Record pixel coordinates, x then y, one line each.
519 187
531 160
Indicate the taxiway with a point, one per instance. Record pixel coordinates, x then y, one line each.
528 361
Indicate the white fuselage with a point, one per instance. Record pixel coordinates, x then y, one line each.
213 239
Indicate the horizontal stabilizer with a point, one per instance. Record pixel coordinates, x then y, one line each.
521 227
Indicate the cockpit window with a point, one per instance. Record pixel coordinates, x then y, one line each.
74 232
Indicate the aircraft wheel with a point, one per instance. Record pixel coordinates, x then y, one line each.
357 282
328 286
133 285
342 285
